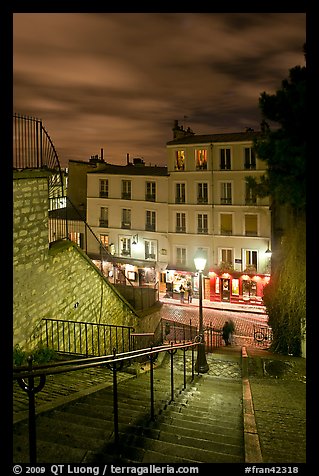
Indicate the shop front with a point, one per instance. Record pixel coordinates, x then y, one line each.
174 278
236 287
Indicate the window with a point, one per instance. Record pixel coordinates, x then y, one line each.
150 191
104 239
150 249
226 257
251 225
202 223
126 189
201 159
77 238
250 195
180 193
125 246
226 193
180 223
104 188
104 217
126 218
181 256
249 158
251 257
180 160
150 224
226 224
225 159
202 193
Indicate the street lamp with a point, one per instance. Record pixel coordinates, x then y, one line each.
201 365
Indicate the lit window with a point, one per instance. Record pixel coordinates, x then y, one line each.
251 225
180 160
226 224
201 159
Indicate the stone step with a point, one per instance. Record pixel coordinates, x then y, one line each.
203 423
137 449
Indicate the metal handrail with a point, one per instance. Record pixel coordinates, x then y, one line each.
63 233
83 338
34 149
25 376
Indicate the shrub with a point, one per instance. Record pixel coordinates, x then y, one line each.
40 355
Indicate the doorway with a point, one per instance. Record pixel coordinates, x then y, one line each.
225 289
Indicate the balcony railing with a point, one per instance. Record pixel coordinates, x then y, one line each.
34 149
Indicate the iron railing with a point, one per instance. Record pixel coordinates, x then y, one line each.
34 149
174 331
263 334
27 374
82 338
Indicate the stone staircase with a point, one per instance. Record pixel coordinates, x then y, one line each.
202 424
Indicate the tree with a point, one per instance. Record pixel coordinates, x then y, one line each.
283 148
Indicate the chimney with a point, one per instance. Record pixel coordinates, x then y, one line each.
102 155
127 159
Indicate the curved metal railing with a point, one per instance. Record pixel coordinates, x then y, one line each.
34 149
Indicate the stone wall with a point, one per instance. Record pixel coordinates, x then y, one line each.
57 282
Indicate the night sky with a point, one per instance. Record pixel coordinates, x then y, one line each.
118 81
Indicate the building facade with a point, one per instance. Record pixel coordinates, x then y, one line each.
153 219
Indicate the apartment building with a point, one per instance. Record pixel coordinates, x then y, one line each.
212 207
153 219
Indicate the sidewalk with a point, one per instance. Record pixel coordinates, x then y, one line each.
223 306
278 388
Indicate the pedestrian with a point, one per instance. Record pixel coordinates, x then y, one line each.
231 331
189 292
226 333
182 292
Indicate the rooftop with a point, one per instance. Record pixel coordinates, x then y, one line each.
222 137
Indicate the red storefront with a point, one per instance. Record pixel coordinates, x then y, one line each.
237 287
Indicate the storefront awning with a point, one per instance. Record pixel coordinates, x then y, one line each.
180 269
140 263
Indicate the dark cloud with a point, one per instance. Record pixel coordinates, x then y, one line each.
118 80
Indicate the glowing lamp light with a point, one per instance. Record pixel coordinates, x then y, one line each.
268 250
200 260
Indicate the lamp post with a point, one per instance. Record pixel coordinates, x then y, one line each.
201 365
